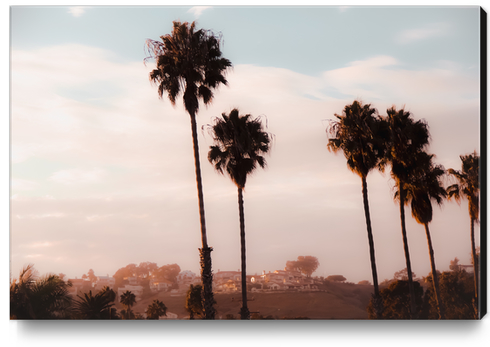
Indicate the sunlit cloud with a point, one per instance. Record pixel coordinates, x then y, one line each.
34 255
40 216
39 245
427 32
198 10
77 11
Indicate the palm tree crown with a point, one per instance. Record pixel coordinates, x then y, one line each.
240 144
188 61
423 187
361 134
407 137
469 185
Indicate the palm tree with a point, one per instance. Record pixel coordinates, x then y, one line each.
189 62
407 138
156 309
128 299
424 186
39 298
361 134
98 306
239 145
469 187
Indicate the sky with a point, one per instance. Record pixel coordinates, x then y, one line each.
102 170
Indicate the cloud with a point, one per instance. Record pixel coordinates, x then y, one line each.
19 184
78 176
125 168
198 10
77 11
419 34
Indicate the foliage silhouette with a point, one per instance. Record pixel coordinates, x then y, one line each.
457 294
397 301
193 301
98 306
156 309
39 298
128 299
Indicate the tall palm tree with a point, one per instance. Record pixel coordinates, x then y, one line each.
128 299
239 145
32 297
407 138
361 134
469 187
189 62
424 186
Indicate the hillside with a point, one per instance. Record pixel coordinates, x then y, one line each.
333 301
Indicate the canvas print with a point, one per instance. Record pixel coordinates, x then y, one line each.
247 163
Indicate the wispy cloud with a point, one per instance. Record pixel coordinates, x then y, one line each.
198 10
78 176
423 33
23 185
77 11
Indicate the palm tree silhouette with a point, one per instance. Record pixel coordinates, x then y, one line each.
407 138
156 309
239 146
425 185
189 62
361 134
128 299
98 306
469 187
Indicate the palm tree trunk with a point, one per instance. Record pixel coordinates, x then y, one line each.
435 280
413 312
205 251
475 265
377 301
244 312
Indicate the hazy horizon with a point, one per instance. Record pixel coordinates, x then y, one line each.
102 170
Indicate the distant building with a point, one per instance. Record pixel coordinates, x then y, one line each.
159 285
103 281
79 286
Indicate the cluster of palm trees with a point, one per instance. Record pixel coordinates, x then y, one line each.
189 62
370 141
